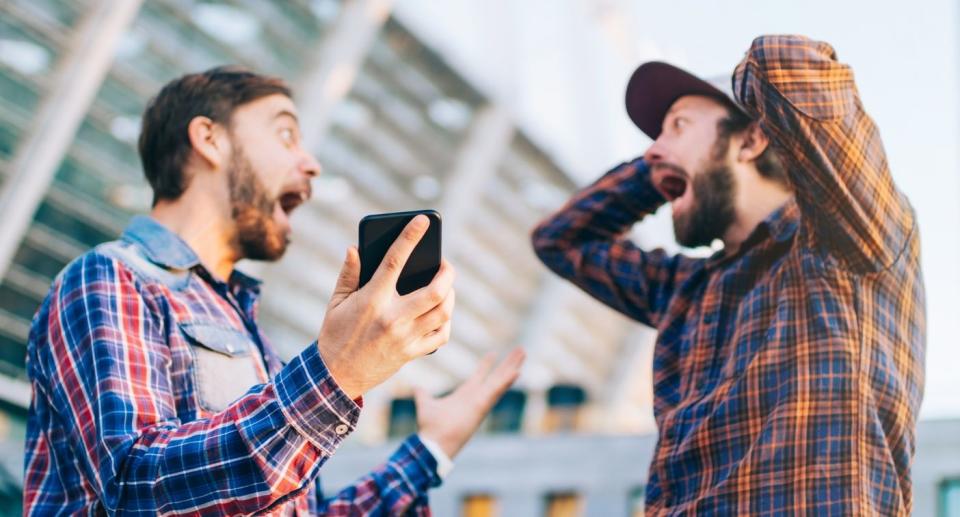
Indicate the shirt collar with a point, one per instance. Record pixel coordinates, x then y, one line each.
244 281
165 248
160 245
780 225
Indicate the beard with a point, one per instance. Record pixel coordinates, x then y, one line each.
258 236
712 211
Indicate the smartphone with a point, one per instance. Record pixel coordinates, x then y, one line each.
377 233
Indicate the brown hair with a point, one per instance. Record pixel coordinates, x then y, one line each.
768 163
164 144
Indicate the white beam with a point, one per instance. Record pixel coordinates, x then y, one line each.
477 162
628 397
333 72
78 77
15 391
536 377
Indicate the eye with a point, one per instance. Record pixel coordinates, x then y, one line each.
680 122
288 136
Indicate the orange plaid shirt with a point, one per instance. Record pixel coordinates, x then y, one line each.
787 376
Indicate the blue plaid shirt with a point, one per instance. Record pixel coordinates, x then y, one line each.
154 391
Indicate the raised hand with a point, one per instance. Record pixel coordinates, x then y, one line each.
450 421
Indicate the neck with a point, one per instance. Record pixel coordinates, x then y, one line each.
755 201
201 223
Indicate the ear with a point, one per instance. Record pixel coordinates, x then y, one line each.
209 141
754 143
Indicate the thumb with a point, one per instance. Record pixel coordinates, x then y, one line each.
424 403
349 279
421 397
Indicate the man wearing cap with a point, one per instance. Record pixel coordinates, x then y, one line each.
788 371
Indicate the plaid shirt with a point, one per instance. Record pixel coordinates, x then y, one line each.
155 392
787 376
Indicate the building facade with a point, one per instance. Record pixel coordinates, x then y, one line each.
396 127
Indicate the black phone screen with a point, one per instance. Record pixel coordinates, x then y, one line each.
377 233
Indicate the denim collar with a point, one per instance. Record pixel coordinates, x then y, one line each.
166 249
160 245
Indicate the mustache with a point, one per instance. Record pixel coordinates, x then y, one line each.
669 167
301 187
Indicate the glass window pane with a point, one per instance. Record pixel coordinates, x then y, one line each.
479 505
950 498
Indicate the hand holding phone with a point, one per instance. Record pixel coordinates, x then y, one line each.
368 334
377 234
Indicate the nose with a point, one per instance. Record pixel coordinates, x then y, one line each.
310 166
655 153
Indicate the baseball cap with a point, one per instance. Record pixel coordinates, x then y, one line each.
655 86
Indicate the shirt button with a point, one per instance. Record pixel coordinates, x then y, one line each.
342 429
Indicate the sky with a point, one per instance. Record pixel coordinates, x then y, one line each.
561 66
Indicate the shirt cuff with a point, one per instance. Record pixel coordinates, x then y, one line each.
444 463
416 465
313 403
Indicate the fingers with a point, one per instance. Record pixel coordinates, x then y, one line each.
389 270
428 297
436 317
482 370
488 386
506 373
349 278
432 341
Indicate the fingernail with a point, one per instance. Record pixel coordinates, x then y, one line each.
420 222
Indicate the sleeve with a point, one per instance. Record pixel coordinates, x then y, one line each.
585 242
106 368
807 104
398 487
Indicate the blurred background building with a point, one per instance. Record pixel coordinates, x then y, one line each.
396 127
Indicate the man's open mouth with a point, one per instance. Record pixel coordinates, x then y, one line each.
291 198
672 184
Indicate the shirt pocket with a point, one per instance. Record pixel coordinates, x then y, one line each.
224 365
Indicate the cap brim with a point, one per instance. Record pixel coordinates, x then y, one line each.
655 86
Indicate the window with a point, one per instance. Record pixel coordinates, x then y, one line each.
507 414
950 498
403 418
479 505
635 504
564 504
564 402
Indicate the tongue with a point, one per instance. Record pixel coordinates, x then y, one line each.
674 187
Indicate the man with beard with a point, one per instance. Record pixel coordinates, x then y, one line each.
788 370
154 390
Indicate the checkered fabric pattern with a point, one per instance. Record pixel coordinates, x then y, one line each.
787 376
118 424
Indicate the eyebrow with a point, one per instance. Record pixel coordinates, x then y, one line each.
286 113
673 110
